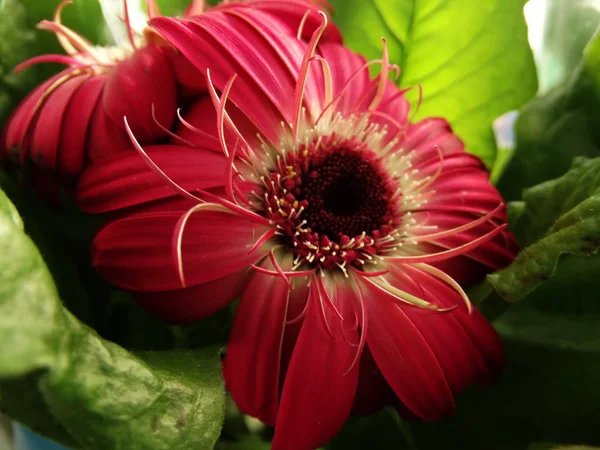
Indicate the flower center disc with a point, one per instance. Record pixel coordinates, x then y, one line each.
331 201
346 195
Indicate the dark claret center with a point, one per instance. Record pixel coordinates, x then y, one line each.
333 203
346 195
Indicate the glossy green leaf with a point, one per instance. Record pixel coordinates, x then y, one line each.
564 214
471 57
106 397
170 7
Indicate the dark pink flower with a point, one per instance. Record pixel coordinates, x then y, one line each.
76 117
304 188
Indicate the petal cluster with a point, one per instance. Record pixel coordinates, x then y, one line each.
244 152
75 118
331 320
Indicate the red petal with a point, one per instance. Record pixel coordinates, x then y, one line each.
471 266
251 366
405 359
479 341
257 57
463 189
134 86
20 121
318 391
136 252
457 357
105 138
291 13
345 64
75 127
487 342
46 133
191 304
203 116
372 392
281 44
248 91
124 180
296 306
429 135
189 80
394 103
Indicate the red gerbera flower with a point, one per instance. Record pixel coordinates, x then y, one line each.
76 116
344 227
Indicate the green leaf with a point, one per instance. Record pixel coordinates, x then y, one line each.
556 127
471 57
543 393
63 235
81 15
551 340
564 214
551 131
29 308
170 7
106 397
176 7
552 329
